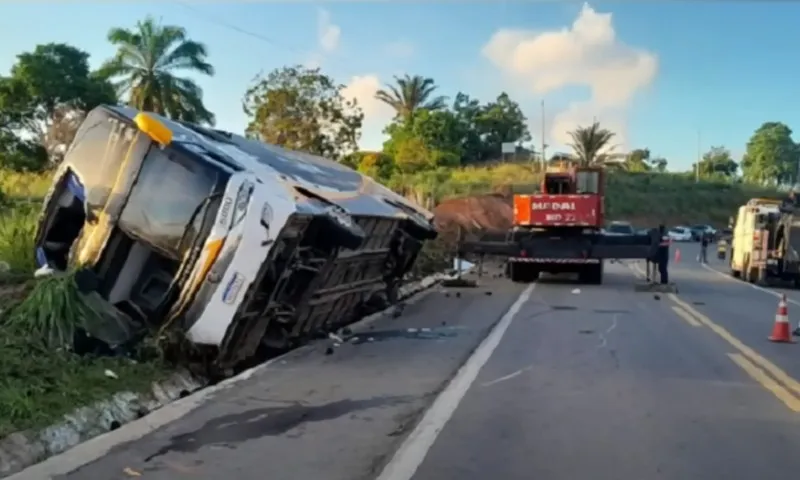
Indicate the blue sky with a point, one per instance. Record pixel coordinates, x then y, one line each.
657 72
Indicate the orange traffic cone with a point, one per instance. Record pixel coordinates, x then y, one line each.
780 329
677 255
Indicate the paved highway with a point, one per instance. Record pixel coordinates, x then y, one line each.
612 384
596 383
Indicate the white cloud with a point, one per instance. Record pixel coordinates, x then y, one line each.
377 114
328 33
400 49
586 54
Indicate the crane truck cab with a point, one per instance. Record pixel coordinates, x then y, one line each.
560 229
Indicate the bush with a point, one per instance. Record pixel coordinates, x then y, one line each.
31 187
17 231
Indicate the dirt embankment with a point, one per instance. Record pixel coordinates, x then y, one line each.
477 213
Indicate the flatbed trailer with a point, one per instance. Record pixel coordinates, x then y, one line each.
530 252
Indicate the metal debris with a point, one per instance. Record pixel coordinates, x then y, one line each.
335 338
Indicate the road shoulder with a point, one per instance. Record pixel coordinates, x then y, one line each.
323 416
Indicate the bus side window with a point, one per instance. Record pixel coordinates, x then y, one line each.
97 154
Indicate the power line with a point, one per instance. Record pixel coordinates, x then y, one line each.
219 22
271 41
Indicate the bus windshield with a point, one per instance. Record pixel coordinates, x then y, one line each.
164 200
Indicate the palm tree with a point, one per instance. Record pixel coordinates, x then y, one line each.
145 67
588 142
410 95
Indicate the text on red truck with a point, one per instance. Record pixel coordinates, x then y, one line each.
553 206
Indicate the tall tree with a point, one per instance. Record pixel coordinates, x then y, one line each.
717 162
468 112
146 65
486 127
428 140
638 160
302 109
411 94
46 86
771 155
502 121
590 143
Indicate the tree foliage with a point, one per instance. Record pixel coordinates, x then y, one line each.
486 127
302 109
47 89
427 141
145 68
641 160
590 143
771 155
412 93
717 162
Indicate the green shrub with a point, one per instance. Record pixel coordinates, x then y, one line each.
17 230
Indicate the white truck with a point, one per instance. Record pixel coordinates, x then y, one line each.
246 248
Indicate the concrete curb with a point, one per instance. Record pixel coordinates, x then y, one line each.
87 431
22 449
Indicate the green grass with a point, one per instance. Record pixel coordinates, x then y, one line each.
39 381
39 385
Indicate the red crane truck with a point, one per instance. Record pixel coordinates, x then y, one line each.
561 230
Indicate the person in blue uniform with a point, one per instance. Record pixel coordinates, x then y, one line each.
662 255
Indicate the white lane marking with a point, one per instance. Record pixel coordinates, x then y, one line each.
637 269
412 452
604 336
507 377
757 287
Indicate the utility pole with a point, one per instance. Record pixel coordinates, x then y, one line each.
544 145
699 157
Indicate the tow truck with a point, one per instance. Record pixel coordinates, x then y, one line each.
765 243
560 230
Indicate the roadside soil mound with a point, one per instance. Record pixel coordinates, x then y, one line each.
490 213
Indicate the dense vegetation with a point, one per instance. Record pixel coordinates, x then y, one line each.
436 148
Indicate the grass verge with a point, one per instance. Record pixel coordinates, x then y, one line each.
40 382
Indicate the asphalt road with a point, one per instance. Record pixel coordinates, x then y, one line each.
596 383
612 384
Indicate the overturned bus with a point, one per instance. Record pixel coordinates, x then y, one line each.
244 247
